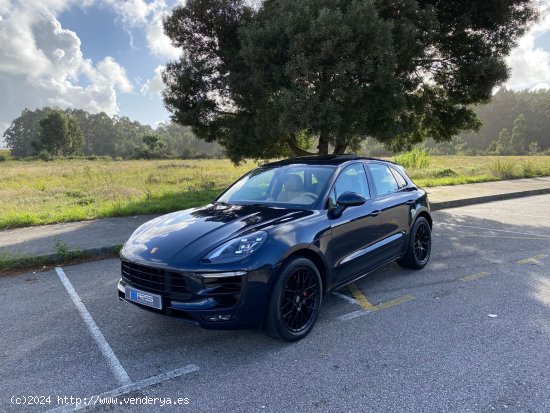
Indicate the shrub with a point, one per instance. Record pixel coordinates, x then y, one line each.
529 169
418 159
3 158
503 168
44 155
444 173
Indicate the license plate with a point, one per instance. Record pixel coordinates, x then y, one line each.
143 298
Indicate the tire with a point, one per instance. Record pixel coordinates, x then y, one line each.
295 301
419 247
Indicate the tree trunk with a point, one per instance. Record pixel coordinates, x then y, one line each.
296 149
340 148
323 144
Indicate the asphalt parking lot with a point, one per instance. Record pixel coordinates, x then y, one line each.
469 333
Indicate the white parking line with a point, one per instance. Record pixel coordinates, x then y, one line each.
344 297
131 387
353 314
492 230
473 211
117 369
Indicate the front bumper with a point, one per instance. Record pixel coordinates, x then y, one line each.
233 303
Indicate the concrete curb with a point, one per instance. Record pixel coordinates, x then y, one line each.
437 206
34 261
112 250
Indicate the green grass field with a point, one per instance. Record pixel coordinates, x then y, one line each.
36 192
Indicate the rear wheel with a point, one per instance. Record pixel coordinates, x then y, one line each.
419 247
295 301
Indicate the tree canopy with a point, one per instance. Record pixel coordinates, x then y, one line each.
266 81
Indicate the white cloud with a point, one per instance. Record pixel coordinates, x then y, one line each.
141 14
159 44
41 64
530 65
111 73
135 12
155 84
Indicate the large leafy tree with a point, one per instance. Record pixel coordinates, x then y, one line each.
60 134
24 130
517 140
264 81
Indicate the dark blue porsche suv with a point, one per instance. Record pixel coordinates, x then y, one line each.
268 248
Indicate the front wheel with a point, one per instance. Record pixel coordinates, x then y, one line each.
295 301
419 247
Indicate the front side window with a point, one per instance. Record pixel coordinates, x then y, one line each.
292 185
351 179
384 180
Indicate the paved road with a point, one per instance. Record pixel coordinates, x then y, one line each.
470 333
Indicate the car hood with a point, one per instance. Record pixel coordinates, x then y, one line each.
192 232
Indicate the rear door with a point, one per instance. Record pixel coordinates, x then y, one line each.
393 203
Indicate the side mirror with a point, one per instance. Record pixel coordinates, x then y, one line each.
346 200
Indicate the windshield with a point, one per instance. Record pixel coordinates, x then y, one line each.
292 185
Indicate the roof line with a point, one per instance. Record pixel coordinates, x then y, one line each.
325 158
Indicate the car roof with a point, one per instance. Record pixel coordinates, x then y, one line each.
333 160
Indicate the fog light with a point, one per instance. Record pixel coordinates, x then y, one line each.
219 317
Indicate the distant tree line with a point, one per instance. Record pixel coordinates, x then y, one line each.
513 123
52 132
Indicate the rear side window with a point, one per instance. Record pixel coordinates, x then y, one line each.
384 181
351 179
399 178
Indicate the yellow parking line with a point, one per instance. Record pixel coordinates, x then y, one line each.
364 302
474 277
397 301
532 260
360 298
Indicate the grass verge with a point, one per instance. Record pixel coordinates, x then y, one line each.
37 193
456 170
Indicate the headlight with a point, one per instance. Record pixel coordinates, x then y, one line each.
237 248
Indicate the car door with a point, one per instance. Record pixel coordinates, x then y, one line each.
351 232
393 202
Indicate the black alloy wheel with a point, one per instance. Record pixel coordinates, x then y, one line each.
419 246
299 300
295 301
422 243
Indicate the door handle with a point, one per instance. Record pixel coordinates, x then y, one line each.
375 213
411 202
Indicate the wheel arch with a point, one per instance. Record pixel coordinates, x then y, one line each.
426 214
316 259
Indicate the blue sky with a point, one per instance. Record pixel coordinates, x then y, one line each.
104 33
107 55
98 55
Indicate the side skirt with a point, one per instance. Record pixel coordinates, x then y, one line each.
363 274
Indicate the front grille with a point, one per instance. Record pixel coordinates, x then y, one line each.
156 280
